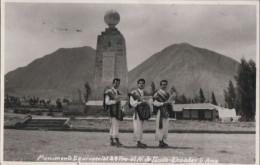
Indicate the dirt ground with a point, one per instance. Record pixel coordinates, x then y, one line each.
22 145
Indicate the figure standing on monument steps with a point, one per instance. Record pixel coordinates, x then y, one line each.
141 112
162 107
112 104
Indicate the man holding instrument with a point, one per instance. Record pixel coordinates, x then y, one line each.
162 107
141 112
112 103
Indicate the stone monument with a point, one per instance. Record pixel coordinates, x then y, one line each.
111 59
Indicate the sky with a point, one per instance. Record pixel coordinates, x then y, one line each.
33 30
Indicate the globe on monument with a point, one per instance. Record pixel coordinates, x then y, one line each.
112 18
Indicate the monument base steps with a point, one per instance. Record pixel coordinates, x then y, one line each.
45 124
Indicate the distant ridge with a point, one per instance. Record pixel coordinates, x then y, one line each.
187 67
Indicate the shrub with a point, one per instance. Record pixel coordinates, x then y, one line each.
24 111
38 113
50 114
16 110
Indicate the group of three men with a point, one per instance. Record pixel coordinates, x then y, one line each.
161 108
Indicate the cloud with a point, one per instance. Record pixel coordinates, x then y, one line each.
37 29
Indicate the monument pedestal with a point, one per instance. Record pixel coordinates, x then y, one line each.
111 59
74 108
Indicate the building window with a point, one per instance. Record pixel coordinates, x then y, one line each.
186 114
207 114
194 114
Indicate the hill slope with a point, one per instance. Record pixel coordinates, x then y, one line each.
188 68
61 71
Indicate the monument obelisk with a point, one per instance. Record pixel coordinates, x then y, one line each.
111 59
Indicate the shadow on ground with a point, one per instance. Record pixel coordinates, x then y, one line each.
170 147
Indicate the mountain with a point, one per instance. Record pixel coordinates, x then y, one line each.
56 74
188 68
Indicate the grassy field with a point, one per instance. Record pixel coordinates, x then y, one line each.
21 145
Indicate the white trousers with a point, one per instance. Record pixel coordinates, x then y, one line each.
114 128
138 128
161 134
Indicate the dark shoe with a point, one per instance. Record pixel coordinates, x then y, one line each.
118 144
141 145
112 143
165 145
144 144
161 145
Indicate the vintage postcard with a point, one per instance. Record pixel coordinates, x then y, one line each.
140 81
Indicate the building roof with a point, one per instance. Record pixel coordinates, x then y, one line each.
223 112
180 107
100 103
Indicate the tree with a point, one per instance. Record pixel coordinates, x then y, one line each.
246 89
58 104
213 99
225 96
201 97
189 100
225 106
196 99
176 98
253 86
87 90
230 95
80 96
153 89
237 103
192 101
183 99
